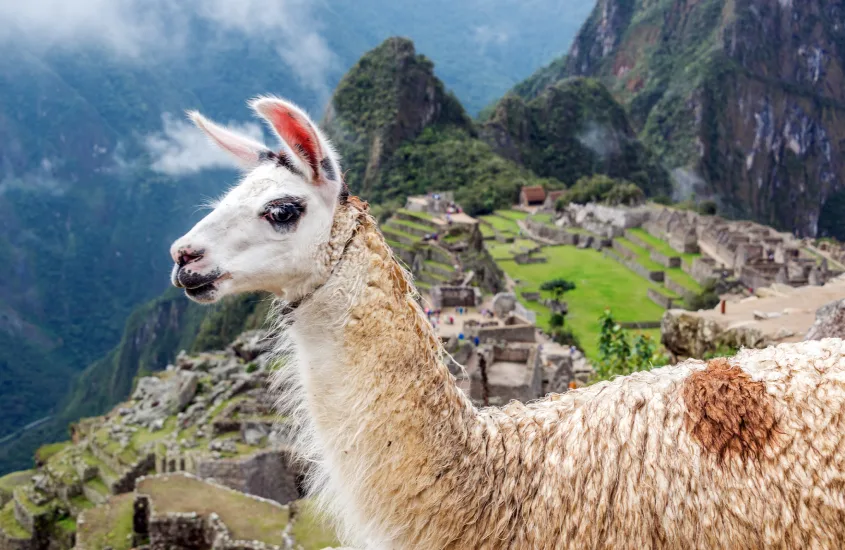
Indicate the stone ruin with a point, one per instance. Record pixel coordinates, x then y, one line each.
503 358
435 203
755 254
454 296
506 372
209 415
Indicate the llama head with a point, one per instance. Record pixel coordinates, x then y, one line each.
267 232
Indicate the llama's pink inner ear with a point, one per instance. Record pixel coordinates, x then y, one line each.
295 130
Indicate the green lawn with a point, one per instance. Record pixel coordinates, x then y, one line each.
390 230
10 525
511 214
109 525
421 215
682 278
246 517
600 283
507 250
661 246
400 224
502 224
311 530
486 230
544 218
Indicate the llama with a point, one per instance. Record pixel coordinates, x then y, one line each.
746 452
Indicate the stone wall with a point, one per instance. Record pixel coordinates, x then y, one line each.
9 543
270 474
636 267
663 301
664 260
512 333
454 296
678 289
183 531
558 235
126 482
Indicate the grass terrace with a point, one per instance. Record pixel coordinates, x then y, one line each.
502 251
600 283
679 276
642 255
511 214
10 525
9 482
246 518
109 525
311 530
45 452
421 215
662 246
502 224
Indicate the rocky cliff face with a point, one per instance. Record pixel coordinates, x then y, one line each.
401 133
742 97
573 128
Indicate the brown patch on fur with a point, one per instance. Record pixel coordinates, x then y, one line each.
728 414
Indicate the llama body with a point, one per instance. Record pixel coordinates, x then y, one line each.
740 453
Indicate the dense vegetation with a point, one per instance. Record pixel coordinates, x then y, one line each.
573 128
603 189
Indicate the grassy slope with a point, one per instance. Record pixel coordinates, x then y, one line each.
109 525
246 518
601 283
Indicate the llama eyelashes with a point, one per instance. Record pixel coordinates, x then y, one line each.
283 215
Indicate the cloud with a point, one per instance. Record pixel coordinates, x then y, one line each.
181 148
40 179
600 139
686 184
141 28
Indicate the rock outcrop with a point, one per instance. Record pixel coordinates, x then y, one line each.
742 98
829 323
208 417
573 129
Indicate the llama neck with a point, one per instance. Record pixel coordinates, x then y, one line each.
386 416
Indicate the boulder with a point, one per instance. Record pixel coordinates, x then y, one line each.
251 344
829 323
688 335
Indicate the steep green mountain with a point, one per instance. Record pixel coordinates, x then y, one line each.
573 128
743 97
400 133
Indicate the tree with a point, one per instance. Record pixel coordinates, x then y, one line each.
558 287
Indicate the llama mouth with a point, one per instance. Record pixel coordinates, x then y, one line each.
202 293
203 289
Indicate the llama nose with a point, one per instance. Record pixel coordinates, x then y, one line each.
185 256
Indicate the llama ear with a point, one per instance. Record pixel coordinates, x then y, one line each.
294 127
245 150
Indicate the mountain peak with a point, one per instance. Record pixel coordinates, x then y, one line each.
389 96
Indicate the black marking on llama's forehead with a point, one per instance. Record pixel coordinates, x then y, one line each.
328 168
281 159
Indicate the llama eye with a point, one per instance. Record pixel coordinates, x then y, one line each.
282 215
